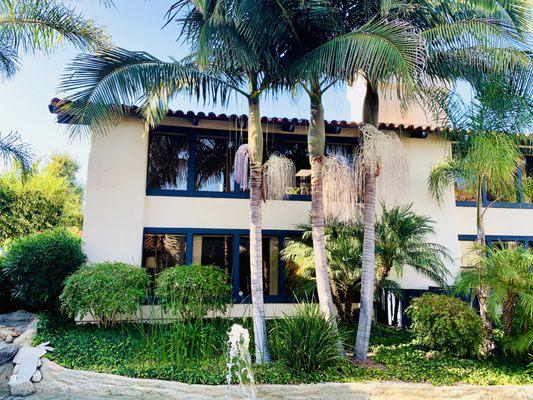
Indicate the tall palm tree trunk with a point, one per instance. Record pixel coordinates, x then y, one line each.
370 116
255 142
483 290
316 144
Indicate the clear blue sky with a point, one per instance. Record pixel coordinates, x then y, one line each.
135 25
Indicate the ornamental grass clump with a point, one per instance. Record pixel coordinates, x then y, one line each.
191 291
446 324
305 342
106 292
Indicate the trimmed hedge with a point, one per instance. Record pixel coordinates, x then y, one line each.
106 291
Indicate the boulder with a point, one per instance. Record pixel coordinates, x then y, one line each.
17 319
7 352
9 339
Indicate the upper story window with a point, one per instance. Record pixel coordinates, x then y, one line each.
520 195
196 162
214 164
168 157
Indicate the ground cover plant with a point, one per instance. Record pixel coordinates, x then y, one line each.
120 350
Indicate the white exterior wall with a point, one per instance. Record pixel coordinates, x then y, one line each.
117 208
116 187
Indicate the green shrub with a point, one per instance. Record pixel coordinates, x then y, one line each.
36 266
305 342
446 324
191 291
106 291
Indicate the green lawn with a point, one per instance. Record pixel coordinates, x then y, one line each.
124 351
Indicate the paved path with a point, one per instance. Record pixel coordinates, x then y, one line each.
79 385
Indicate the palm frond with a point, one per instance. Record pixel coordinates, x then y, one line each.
380 50
100 85
40 25
12 148
441 177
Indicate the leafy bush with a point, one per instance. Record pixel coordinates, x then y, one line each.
36 266
446 324
305 342
191 291
106 291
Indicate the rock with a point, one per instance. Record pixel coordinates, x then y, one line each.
16 369
7 352
20 388
15 334
39 363
9 339
26 338
17 318
37 377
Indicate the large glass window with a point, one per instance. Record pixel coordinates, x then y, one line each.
214 250
168 157
270 266
207 164
163 251
214 164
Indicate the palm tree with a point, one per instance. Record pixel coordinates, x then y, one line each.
402 238
30 26
506 272
343 251
462 40
223 60
486 157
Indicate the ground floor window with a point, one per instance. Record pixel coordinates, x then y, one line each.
468 252
162 251
227 249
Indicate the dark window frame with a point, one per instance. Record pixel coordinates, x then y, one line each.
193 133
282 297
521 204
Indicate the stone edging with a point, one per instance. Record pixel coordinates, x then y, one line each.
59 380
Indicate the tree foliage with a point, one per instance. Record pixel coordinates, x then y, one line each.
45 197
36 266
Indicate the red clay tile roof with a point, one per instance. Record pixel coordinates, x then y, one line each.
55 103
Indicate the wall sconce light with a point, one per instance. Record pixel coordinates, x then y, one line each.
195 121
419 134
333 129
287 127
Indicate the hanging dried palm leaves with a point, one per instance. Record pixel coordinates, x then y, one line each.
339 189
280 174
241 167
382 154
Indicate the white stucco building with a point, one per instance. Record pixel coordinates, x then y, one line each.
167 197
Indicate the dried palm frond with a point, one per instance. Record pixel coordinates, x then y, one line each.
382 154
339 189
280 173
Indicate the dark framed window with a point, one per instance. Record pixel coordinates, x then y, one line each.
271 266
161 251
199 163
214 164
227 249
168 157
214 250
